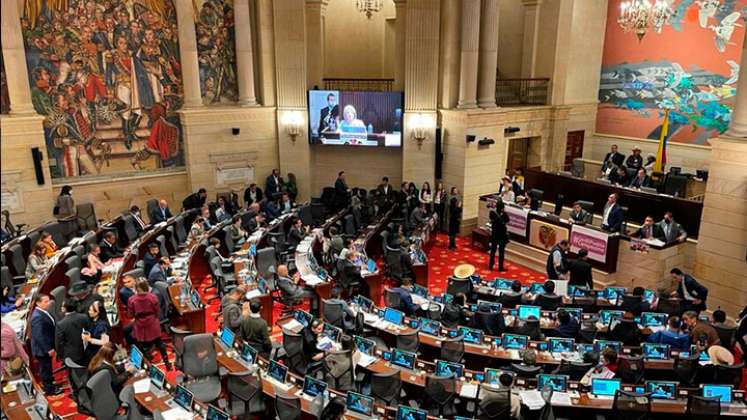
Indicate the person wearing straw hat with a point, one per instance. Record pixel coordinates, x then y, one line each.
720 356
464 271
635 160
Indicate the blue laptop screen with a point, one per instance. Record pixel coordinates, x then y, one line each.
371 266
492 375
313 387
420 291
605 387
394 316
157 377
558 383
359 403
445 368
536 288
277 371
606 316
409 413
653 319
364 345
303 317
723 391
600 345
136 358
248 354
470 335
227 336
655 351
215 414
515 342
183 397
504 284
430 326
661 389
561 345
403 359
577 291
526 311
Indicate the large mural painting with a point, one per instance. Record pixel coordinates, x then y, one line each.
106 76
691 68
216 51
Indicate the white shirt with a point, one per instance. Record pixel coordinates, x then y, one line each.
607 211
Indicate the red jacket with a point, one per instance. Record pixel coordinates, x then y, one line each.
145 309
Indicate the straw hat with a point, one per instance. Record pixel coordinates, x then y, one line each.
720 356
463 271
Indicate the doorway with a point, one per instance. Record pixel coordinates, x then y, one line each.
574 148
517 154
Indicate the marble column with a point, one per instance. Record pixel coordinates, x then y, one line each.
470 54
266 48
450 14
738 126
400 31
315 14
14 58
488 70
531 34
244 52
185 20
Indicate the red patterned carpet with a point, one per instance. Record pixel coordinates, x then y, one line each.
441 266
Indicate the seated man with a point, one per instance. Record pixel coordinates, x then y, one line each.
161 213
253 329
626 330
335 298
719 320
548 300
673 335
701 333
511 298
406 304
619 176
296 234
127 290
636 305
580 216
151 257
160 271
567 327
311 336
648 230
529 327
454 312
290 288
109 248
641 179
417 216
506 380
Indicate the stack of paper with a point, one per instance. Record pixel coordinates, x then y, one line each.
469 390
532 399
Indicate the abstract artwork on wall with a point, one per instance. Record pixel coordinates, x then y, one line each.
691 68
106 76
216 51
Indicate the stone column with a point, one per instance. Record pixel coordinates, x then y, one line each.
531 31
470 53
14 58
738 126
185 20
244 52
488 70
400 31
266 48
450 14
315 14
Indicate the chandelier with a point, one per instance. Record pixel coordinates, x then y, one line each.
640 15
369 7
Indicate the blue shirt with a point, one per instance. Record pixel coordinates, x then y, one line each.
675 340
8 305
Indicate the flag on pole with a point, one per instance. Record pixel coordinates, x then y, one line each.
661 153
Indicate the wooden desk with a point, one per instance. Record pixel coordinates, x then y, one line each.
12 407
193 317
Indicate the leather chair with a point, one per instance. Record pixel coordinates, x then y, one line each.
631 406
408 342
245 391
104 403
452 350
201 367
440 393
387 387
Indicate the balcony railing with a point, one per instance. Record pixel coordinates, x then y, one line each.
522 92
376 85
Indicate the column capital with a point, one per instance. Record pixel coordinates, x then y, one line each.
318 4
531 3
399 3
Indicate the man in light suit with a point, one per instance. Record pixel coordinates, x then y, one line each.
671 231
273 183
612 159
612 216
42 342
160 213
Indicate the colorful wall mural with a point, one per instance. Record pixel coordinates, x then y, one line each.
106 76
216 51
691 67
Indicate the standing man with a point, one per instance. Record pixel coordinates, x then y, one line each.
692 293
252 195
342 193
455 217
580 271
273 183
670 230
196 200
557 264
385 194
68 335
612 216
498 235
42 342
329 116
611 160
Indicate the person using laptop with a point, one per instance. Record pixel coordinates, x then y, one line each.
626 330
605 369
104 360
529 327
505 382
254 329
672 335
404 291
510 299
454 312
567 327
290 287
311 336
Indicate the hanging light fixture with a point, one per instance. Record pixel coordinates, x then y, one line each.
369 7
641 15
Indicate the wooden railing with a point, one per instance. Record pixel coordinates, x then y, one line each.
380 85
511 92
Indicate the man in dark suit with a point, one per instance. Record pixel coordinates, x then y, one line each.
385 194
692 293
140 224
641 180
160 213
253 194
612 159
580 216
619 176
151 258
42 342
417 216
329 115
406 304
580 270
127 290
289 287
612 216
68 340
160 271
342 193
296 234
256 222
351 274
455 217
670 230
109 248
498 236
648 230
196 200
273 183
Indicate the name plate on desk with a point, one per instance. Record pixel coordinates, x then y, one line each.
517 221
593 240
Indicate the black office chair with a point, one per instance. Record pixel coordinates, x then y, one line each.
452 350
456 286
161 239
78 377
387 387
434 312
177 342
295 358
548 303
338 370
726 335
524 371
17 264
392 299
490 322
630 369
703 408
130 232
574 370
225 281
245 391
731 375
104 403
151 206
180 230
440 393
73 261
686 369
493 404
669 306
287 407
631 303
631 406
332 313
408 341
509 300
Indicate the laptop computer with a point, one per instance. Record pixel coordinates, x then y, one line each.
301 319
614 294
654 319
405 412
606 316
604 388
312 388
359 406
578 291
40 409
470 335
403 359
654 351
277 374
664 390
503 284
721 391
393 316
248 354
536 288
227 338
558 383
526 311
484 305
557 346
157 380
136 358
446 368
183 399
371 266
430 326
366 348
600 345
214 413
492 375
420 291
514 342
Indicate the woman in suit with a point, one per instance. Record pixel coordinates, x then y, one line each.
100 330
104 360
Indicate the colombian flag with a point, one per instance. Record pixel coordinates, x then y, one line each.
661 153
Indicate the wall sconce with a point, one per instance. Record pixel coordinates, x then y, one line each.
293 120
420 125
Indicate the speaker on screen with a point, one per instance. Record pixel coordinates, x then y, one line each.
37 157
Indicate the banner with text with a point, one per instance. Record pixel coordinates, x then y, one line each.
517 221
593 240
